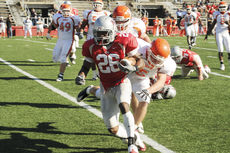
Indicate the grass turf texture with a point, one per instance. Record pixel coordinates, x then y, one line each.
35 119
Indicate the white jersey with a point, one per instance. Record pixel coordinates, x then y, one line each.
221 26
57 15
91 16
27 23
214 14
190 18
39 24
168 67
2 25
66 26
137 27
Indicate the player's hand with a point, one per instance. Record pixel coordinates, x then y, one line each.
144 94
127 67
201 78
48 36
80 80
80 35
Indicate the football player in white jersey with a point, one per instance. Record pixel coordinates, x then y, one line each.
89 17
198 20
27 26
126 23
66 25
190 19
222 37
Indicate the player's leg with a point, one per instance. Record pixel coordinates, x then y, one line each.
90 90
219 42
30 32
188 34
38 33
25 32
227 44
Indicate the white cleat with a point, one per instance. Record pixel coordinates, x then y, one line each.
139 143
140 128
132 149
222 67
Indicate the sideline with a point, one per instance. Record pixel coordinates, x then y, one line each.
144 137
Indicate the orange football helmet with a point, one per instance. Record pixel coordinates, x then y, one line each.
122 16
188 9
98 5
158 52
61 7
66 10
222 7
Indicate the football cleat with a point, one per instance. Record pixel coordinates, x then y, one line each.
82 95
132 149
139 143
222 67
67 64
189 47
140 128
60 77
72 60
94 79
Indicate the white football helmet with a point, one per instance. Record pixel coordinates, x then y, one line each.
166 92
222 7
98 5
188 9
176 54
107 25
194 9
68 2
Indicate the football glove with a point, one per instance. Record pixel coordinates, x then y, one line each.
144 94
80 80
48 36
188 24
128 68
80 35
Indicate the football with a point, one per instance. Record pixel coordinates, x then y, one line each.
128 59
207 69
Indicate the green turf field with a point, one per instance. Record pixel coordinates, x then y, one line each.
41 115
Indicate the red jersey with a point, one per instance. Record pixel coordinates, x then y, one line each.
187 57
211 11
74 11
107 59
182 24
197 17
168 22
173 22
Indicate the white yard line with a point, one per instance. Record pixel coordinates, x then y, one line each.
31 60
145 138
211 56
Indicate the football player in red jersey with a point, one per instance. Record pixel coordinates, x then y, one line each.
106 49
189 61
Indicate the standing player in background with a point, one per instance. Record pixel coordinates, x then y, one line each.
190 19
198 21
155 25
145 20
39 24
27 26
189 61
182 28
222 36
106 50
89 17
2 28
169 26
161 28
66 25
173 26
126 23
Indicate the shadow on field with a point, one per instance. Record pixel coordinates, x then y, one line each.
45 127
180 77
40 105
18 143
